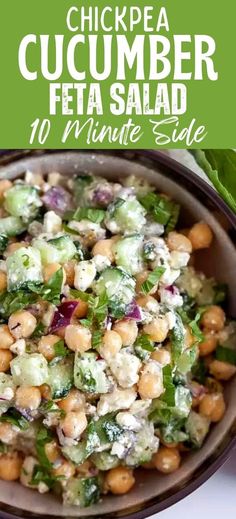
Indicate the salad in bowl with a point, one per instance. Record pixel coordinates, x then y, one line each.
114 348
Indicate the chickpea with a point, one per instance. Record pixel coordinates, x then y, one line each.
162 356
213 318
7 433
200 235
74 401
10 466
222 370
119 480
74 423
4 186
78 338
28 397
179 242
141 277
45 392
128 331
3 281
22 324
111 344
6 339
66 469
105 248
49 270
81 309
69 268
150 385
157 330
52 451
46 346
5 360
167 460
208 345
212 406
12 247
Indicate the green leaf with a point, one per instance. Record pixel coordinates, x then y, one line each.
199 371
97 339
43 436
15 418
50 407
12 302
195 328
51 290
87 213
169 396
226 355
60 349
220 167
144 342
152 280
39 331
3 242
162 210
177 339
42 475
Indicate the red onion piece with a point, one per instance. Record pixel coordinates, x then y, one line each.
133 311
57 199
102 195
62 315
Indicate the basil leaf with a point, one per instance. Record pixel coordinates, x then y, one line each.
226 355
220 167
87 213
152 280
162 210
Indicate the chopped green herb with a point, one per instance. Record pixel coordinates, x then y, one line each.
60 349
144 342
169 394
199 371
87 213
51 290
162 210
39 331
15 418
152 280
3 242
14 301
97 339
225 355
